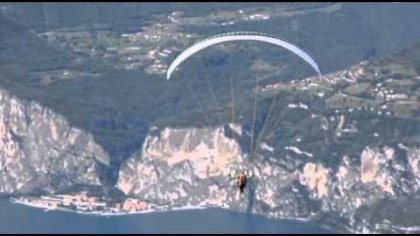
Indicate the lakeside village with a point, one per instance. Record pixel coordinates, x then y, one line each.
83 203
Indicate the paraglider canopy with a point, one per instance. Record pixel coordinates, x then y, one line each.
240 36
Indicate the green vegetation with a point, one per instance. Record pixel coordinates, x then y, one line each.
345 101
357 89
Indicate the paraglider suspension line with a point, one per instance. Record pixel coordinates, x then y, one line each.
267 120
274 127
254 118
232 100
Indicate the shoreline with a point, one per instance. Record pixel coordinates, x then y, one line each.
155 210
163 209
99 213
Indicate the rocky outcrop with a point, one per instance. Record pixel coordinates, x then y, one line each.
372 164
178 162
414 161
40 151
315 177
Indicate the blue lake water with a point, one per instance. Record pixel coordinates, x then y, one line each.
16 218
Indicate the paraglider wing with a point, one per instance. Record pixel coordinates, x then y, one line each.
237 37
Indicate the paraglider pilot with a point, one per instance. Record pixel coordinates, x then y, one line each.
241 181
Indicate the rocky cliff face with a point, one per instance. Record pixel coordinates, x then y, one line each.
191 167
40 151
179 163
